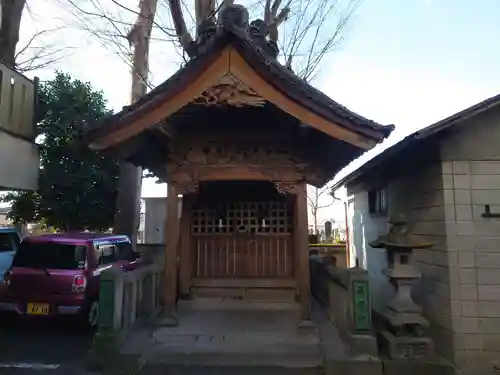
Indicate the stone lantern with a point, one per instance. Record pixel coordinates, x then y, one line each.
404 335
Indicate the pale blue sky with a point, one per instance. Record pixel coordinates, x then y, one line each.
414 62
403 62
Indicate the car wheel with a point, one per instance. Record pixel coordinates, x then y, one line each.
92 315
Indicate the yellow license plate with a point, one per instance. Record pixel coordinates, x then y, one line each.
37 309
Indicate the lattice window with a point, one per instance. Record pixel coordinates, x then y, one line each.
244 217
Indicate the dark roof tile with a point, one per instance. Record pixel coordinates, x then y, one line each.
268 67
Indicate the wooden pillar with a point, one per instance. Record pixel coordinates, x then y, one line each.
301 242
171 242
185 246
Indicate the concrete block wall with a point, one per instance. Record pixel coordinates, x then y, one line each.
471 178
419 195
444 202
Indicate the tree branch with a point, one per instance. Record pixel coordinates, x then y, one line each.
40 56
180 26
317 28
164 29
311 202
326 205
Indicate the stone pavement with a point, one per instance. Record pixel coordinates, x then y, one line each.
243 341
256 342
229 338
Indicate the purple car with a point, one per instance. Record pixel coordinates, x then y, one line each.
58 274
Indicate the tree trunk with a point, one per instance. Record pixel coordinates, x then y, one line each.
11 13
128 204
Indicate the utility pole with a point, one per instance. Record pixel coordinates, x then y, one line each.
128 202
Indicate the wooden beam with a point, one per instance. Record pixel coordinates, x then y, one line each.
207 79
301 247
235 172
241 69
167 129
171 242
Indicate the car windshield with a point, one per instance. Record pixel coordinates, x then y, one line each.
50 255
8 241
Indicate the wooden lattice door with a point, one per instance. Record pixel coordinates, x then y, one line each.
243 239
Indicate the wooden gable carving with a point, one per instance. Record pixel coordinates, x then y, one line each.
230 90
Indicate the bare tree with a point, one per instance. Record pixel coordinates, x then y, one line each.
315 197
36 53
312 30
109 22
11 13
39 54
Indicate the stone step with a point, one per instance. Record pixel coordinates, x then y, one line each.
236 340
228 370
245 293
352 366
358 366
206 303
295 360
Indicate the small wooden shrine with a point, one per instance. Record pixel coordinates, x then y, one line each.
239 136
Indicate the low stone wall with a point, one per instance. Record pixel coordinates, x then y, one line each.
345 294
335 253
125 298
152 252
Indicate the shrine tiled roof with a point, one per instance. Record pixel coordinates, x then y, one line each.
266 65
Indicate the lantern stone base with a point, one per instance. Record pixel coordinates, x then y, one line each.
406 347
409 324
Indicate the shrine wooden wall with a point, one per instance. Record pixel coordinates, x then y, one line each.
246 239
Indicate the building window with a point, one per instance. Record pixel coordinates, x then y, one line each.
377 201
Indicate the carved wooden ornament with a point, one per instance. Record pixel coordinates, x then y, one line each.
188 187
221 161
286 188
230 90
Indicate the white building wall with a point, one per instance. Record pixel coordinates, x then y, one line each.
19 163
365 228
155 213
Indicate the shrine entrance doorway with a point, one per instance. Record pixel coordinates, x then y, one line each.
241 240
